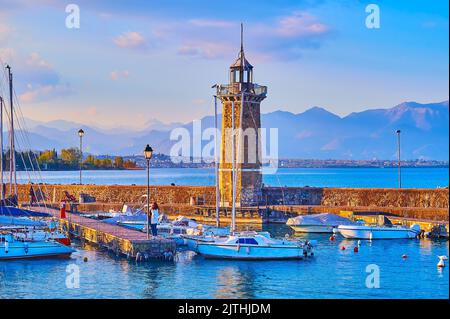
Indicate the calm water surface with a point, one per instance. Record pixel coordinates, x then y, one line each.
331 177
332 273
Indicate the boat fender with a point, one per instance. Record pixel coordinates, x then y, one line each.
6 246
26 248
248 250
356 249
238 247
343 248
332 237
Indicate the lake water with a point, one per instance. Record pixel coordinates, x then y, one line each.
331 273
321 177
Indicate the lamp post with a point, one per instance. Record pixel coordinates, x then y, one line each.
81 134
399 163
148 153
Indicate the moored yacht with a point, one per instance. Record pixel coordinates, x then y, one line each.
317 223
250 246
12 247
379 232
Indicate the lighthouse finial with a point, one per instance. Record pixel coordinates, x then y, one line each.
242 39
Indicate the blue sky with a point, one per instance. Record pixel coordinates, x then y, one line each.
132 61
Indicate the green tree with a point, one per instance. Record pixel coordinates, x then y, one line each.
70 156
47 156
129 164
90 159
118 162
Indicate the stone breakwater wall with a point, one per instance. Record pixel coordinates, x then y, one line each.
427 201
123 194
376 197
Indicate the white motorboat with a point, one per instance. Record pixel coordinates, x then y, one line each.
42 235
317 223
15 248
249 246
379 232
189 227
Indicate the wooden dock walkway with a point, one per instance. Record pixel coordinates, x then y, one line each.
120 240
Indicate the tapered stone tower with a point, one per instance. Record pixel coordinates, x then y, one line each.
245 97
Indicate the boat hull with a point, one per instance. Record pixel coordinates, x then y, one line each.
320 229
34 250
370 233
244 252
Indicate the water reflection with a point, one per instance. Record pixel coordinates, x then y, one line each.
235 281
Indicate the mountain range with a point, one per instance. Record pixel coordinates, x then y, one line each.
315 134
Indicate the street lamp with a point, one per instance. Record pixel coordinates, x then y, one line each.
399 163
148 153
81 134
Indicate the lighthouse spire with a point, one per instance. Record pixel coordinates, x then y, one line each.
242 41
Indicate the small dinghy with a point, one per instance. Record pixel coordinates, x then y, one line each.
317 223
384 230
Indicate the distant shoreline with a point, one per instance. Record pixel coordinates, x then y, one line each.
211 167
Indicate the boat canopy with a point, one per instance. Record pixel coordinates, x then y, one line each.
19 212
325 219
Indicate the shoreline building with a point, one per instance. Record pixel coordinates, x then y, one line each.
247 143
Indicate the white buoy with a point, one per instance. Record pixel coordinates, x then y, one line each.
441 263
359 242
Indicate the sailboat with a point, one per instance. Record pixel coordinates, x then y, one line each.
247 245
12 247
22 237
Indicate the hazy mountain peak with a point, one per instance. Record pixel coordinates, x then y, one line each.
314 133
318 111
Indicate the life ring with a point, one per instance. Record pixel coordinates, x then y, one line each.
26 248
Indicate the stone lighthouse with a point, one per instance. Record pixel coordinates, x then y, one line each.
243 98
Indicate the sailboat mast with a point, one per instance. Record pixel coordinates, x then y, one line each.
12 155
2 194
216 160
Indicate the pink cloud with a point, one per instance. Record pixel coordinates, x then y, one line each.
116 75
131 40
35 60
206 49
300 24
44 92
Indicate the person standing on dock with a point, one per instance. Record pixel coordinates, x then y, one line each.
154 218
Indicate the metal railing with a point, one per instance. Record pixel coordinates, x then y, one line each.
236 88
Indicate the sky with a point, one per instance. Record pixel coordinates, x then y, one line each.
134 61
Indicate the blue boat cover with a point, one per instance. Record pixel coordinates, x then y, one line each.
19 212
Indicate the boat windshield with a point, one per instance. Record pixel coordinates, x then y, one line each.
248 241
